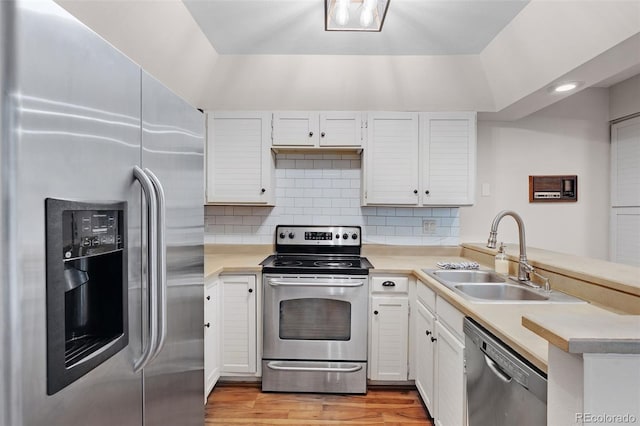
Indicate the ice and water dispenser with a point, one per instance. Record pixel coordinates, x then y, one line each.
86 287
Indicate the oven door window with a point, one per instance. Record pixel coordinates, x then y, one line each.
315 319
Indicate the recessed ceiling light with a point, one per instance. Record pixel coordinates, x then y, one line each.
564 87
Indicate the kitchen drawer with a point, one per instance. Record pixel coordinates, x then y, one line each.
389 284
426 296
451 317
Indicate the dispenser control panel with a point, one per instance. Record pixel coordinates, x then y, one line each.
91 232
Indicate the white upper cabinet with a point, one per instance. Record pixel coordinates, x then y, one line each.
425 159
341 129
240 165
391 159
448 142
317 129
295 128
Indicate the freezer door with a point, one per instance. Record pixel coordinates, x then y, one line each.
79 139
173 150
10 412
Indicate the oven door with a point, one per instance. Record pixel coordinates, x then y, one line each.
315 317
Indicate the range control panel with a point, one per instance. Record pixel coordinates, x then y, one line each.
318 235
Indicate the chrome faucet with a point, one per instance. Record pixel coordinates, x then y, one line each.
524 268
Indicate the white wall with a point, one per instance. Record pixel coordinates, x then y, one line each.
624 98
569 137
550 38
347 82
159 35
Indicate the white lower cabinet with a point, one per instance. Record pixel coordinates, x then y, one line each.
389 328
449 378
425 355
389 338
239 334
211 335
438 357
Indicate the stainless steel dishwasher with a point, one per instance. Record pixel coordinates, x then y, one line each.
503 389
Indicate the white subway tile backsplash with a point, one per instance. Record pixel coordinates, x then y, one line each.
340 202
441 212
324 189
321 202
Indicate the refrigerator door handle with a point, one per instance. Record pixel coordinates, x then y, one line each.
152 266
162 263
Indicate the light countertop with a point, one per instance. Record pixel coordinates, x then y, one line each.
503 320
602 332
616 276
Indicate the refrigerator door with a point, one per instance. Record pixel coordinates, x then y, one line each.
10 350
173 150
79 138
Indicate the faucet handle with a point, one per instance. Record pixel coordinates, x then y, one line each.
546 286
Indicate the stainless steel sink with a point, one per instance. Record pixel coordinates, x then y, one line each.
454 276
490 287
500 292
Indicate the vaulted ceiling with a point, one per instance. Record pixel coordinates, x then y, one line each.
496 57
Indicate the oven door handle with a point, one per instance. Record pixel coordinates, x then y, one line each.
275 365
278 283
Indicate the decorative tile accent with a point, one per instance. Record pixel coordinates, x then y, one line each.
324 189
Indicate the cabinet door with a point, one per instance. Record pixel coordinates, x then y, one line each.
295 128
389 338
239 159
425 355
449 378
211 336
625 163
238 324
448 158
341 129
391 159
625 235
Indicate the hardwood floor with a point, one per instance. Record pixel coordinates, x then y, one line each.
230 404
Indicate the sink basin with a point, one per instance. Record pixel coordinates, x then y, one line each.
500 292
454 276
491 287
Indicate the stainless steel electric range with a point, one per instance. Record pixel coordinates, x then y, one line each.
315 293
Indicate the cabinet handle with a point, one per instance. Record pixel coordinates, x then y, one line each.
427 332
208 325
263 190
433 339
208 297
375 312
426 192
310 134
388 284
415 191
322 135
250 290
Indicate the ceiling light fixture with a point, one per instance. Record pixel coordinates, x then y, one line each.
564 87
355 15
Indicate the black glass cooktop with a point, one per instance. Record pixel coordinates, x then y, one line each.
315 264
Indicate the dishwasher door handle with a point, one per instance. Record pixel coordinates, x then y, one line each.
496 369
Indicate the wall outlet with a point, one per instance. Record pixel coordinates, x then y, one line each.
429 226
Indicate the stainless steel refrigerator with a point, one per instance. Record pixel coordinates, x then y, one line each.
98 160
